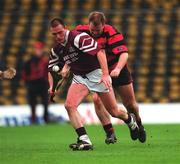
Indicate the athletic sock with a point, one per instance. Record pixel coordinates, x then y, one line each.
83 135
81 131
85 138
108 129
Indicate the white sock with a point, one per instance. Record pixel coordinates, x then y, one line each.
85 138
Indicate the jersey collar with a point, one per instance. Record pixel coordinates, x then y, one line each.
66 38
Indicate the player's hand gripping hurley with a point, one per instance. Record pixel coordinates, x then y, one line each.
60 82
64 74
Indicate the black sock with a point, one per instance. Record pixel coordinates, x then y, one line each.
108 129
128 120
81 131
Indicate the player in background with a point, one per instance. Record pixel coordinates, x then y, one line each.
117 56
88 64
35 76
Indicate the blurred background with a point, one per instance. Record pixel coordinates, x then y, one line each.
151 29
152 32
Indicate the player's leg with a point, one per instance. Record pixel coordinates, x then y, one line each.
32 99
44 99
76 94
33 111
110 104
128 98
105 120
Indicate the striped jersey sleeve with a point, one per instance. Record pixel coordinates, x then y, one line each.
115 40
54 60
86 44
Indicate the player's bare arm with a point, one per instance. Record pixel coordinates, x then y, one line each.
65 71
50 80
121 63
105 74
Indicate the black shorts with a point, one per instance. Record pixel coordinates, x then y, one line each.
124 78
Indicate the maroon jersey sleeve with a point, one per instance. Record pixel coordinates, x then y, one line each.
54 59
115 40
86 44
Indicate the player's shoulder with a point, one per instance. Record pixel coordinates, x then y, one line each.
78 34
82 27
74 33
110 30
81 38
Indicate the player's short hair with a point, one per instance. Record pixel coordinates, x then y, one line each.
57 21
97 18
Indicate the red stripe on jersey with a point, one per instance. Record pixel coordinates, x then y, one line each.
115 38
109 29
82 27
101 40
119 49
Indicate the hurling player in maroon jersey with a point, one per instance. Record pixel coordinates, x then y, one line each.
87 62
117 55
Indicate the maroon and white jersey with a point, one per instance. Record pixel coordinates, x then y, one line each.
111 40
79 52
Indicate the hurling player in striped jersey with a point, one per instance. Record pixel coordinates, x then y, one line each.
87 62
117 56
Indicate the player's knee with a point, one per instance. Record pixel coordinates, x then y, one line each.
96 99
70 106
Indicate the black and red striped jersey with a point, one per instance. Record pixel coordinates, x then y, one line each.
79 52
35 69
111 40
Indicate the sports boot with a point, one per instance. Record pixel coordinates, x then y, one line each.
133 127
111 139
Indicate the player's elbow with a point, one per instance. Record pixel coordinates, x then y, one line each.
125 55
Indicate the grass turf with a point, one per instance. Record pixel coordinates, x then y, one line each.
48 144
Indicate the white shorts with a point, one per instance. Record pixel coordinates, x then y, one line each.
91 81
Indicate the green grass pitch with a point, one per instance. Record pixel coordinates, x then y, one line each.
48 144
